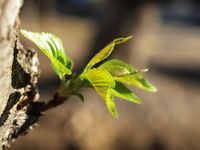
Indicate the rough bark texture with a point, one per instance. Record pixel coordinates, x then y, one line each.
18 77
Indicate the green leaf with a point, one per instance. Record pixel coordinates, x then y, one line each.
118 68
126 73
53 48
103 82
123 92
80 96
106 51
110 103
137 80
86 84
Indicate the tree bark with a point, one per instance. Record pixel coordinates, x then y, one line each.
18 78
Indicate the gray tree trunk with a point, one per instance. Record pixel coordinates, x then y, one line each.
18 77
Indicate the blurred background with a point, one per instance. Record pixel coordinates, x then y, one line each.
166 40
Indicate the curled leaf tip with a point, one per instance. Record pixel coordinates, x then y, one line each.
154 89
129 37
122 40
145 70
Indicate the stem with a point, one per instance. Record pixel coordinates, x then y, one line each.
56 101
63 93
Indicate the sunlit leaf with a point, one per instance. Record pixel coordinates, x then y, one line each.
137 80
126 73
53 48
106 51
118 68
123 92
101 80
110 103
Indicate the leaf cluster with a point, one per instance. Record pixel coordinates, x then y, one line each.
109 79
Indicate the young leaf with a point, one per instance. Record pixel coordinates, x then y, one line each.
123 92
101 80
118 68
111 104
137 80
105 52
53 48
125 73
